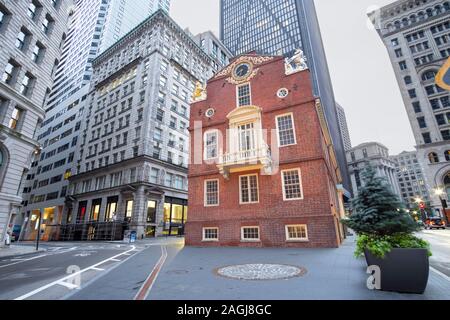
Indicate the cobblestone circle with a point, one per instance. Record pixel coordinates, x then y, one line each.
261 272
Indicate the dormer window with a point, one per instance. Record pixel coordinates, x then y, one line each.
244 95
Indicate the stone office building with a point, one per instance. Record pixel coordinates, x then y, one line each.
372 154
133 155
263 171
417 37
31 33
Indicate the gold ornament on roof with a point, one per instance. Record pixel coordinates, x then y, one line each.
199 92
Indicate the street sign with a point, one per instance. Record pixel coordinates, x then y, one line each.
443 76
422 206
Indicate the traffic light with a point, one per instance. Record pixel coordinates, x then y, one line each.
444 204
422 206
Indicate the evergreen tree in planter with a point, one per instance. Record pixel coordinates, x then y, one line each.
385 236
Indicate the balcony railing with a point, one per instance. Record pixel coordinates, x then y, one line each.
246 159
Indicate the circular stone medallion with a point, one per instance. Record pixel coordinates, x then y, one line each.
261 272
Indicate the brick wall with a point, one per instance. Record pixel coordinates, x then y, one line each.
272 213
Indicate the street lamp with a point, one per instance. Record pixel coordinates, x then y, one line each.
421 205
440 192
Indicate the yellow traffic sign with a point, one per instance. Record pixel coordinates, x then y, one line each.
443 76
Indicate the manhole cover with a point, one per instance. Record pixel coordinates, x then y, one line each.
261 272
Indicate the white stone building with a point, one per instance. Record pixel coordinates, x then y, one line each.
416 34
94 26
410 179
133 155
371 154
31 34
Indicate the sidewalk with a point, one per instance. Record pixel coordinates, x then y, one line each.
17 250
331 274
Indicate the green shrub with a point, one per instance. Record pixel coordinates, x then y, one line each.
380 219
380 246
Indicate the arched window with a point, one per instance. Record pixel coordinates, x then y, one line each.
421 16
413 18
397 24
433 157
438 9
446 6
405 22
429 13
447 155
429 75
408 80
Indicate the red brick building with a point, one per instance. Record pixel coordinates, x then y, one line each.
263 171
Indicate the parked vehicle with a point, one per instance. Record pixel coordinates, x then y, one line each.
435 223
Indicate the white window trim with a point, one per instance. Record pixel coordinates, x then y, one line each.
297 239
210 240
293 129
250 240
240 189
205 195
283 184
237 93
205 146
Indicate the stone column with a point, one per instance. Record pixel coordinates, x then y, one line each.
160 216
139 212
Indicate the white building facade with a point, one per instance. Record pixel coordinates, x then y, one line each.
132 159
411 179
31 35
372 154
416 34
94 24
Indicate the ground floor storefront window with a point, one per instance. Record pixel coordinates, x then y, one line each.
175 216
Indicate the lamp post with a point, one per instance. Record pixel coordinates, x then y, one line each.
440 192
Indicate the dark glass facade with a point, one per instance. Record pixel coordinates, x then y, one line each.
279 27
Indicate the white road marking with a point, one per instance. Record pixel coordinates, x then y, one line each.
58 282
440 273
24 260
116 260
98 269
68 285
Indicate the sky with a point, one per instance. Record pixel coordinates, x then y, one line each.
362 75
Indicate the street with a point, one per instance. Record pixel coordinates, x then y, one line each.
164 269
440 246
46 275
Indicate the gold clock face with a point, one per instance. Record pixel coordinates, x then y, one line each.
242 70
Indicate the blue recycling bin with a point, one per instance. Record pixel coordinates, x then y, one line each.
133 236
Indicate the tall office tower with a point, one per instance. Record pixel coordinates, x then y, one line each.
214 48
279 28
343 127
31 34
375 155
123 16
94 24
416 35
131 165
410 179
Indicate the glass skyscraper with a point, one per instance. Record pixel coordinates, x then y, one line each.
278 27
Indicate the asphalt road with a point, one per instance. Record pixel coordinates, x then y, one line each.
440 246
57 272
165 269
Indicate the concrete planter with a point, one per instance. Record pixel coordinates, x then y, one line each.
402 270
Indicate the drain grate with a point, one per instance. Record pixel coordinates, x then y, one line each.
261 272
